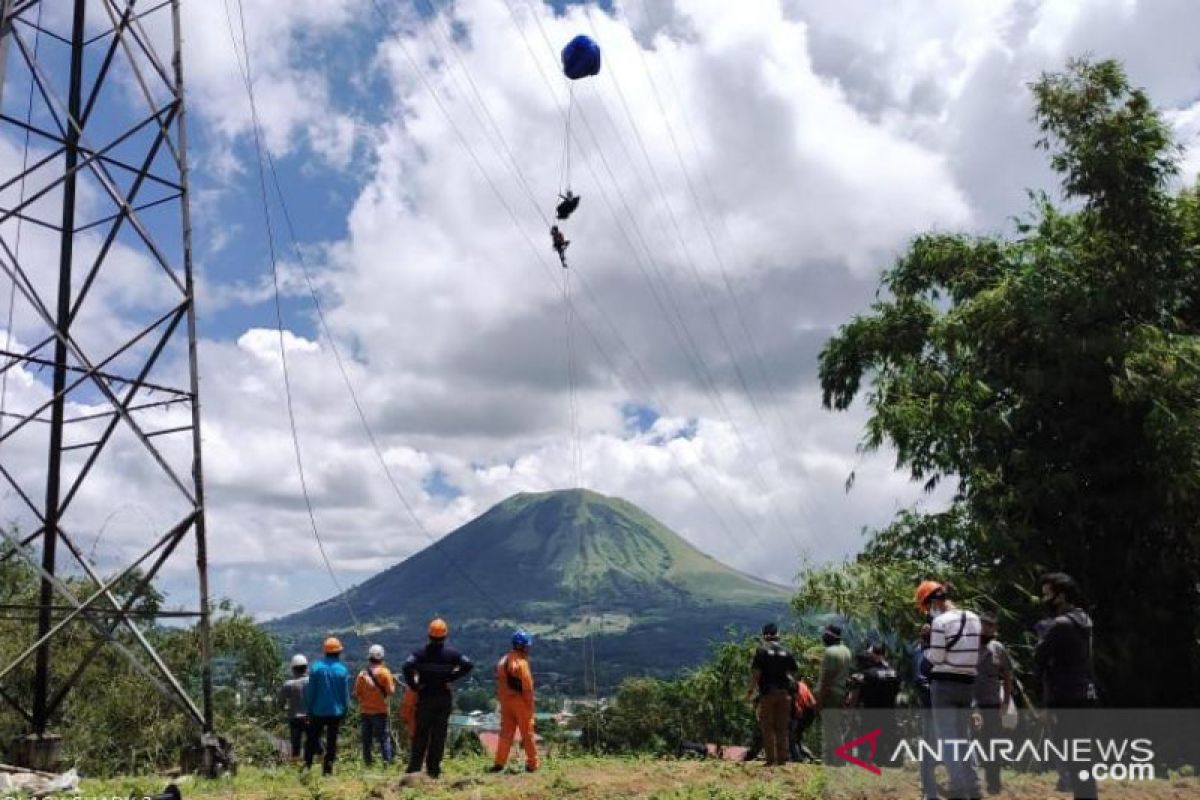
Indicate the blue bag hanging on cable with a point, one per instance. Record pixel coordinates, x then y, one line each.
580 59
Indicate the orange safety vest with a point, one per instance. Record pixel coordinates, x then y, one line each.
805 701
513 679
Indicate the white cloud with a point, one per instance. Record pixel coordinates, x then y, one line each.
819 138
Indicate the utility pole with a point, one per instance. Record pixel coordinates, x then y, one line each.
107 332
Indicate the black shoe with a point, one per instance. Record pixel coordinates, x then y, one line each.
530 769
495 768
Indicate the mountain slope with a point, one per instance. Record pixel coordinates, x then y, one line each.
561 564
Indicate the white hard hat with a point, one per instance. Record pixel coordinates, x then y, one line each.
375 653
299 661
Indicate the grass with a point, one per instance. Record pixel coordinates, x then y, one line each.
583 777
594 778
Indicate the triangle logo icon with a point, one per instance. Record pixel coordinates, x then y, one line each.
872 738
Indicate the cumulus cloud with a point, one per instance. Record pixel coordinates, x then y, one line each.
747 171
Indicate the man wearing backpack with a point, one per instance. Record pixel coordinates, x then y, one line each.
954 653
373 687
772 675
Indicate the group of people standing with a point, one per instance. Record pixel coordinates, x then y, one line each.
964 682
317 701
971 682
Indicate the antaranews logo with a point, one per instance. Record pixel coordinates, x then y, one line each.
1106 759
846 751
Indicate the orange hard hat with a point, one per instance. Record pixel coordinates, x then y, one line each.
438 629
332 645
924 591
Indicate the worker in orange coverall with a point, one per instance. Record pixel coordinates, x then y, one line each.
514 689
408 714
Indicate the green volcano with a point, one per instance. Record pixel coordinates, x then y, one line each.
564 565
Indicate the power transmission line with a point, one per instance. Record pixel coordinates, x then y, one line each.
287 384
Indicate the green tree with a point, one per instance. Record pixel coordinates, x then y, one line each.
708 704
1055 375
475 698
113 720
644 717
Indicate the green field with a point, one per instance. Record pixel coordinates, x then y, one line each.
603 779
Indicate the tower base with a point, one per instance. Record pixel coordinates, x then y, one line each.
211 757
38 752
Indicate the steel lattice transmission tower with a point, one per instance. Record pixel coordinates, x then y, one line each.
99 358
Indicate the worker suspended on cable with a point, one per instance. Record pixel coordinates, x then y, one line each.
514 690
580 59
560 244
567 204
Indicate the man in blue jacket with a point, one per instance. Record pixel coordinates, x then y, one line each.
327 697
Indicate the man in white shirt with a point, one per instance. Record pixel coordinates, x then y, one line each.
954 653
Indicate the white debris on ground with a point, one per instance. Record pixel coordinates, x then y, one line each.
38 784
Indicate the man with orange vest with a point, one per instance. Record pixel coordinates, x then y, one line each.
372 689
408 714
514 689
804 713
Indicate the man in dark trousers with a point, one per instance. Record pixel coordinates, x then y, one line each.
1063 662
327 698
993 690
772 675
875 689
921 671
291 698
429 672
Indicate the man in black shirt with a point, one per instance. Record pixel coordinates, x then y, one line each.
1063 662
429 672
875 689
772 675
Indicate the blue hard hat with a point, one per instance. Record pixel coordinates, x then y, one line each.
522 638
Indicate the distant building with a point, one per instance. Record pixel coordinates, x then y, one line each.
476 721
